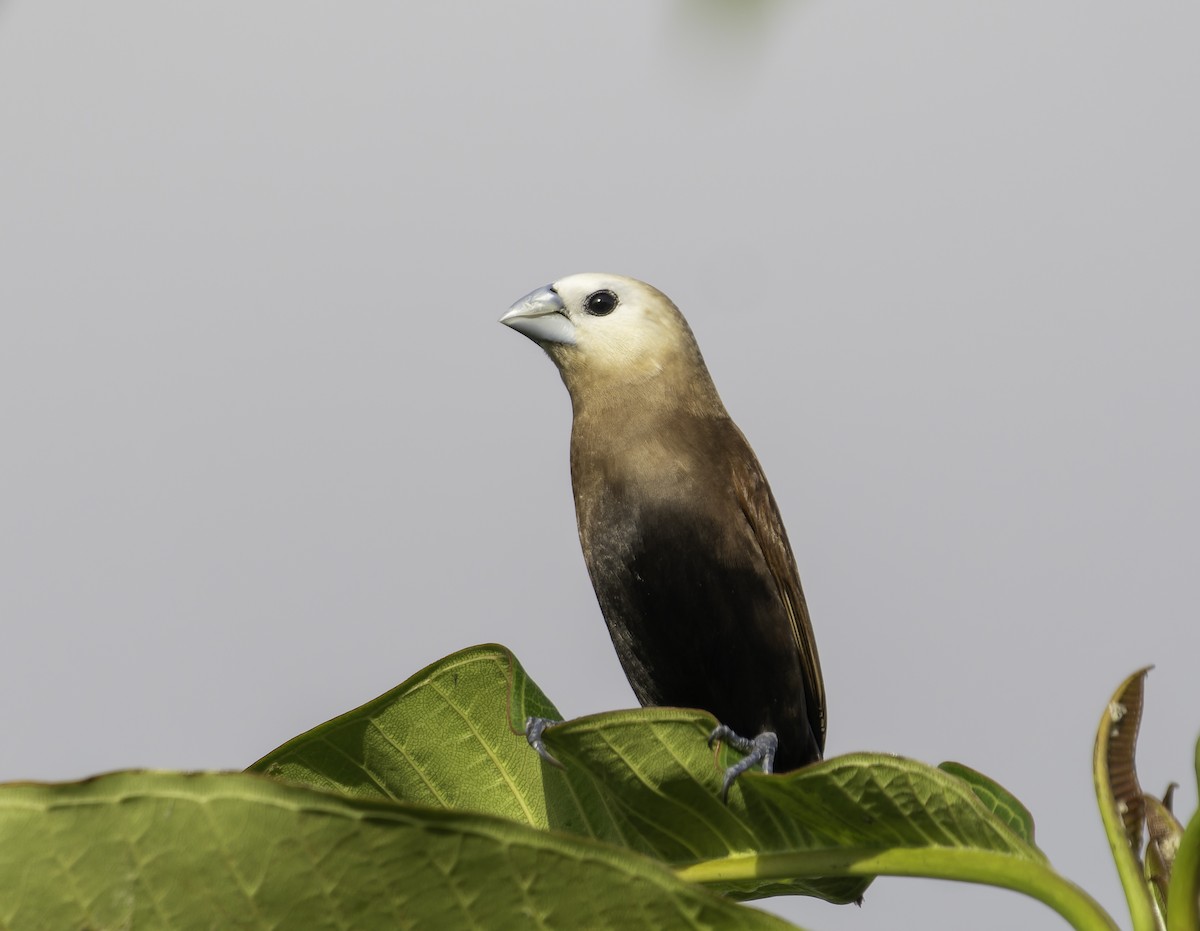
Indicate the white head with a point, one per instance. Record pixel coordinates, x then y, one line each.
608 332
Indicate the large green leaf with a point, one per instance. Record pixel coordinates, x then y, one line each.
174 851
645 780
452 736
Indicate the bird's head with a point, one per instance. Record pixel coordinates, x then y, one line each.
608 333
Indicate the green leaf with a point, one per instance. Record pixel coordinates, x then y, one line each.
655 763
1119 796
997 799
228 850
1118 739
646 780
1183 893
452 736
1183 911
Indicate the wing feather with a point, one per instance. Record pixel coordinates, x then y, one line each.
758 504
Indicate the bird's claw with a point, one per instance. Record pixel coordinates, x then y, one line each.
760 749
534 728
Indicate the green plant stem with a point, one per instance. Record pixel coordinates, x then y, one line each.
1183 912
973 866
1129 868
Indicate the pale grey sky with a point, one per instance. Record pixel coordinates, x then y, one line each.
266 451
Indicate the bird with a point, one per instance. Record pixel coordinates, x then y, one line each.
680 532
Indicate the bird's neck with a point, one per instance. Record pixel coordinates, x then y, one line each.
651 395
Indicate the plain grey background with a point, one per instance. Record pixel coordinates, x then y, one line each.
266 451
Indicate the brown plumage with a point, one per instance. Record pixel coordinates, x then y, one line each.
680 532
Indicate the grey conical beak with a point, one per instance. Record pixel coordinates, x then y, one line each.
542 316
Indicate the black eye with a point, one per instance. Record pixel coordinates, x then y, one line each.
600 303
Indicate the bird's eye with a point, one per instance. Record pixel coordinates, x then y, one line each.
600 303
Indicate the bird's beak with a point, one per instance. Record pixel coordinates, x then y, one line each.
542 316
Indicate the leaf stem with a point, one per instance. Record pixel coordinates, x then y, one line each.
974 866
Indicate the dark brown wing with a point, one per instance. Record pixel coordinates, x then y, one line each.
758 504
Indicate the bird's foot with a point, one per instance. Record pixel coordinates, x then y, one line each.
760 749
534 728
